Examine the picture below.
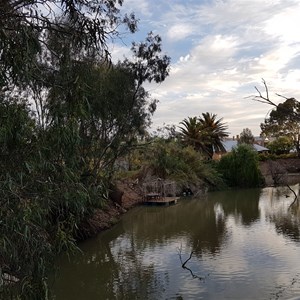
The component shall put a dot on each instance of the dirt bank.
(280, 171)
(274, 172)
(103, 219)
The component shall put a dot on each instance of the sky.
(220, 51)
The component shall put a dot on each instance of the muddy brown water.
(244, 244)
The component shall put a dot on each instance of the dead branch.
(191, 254)
(265, 99)
(296, 197)
(261, 98)
(183, 264)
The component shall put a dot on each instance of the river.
(242, 244)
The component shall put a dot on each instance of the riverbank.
(280, 170)
(103, 219)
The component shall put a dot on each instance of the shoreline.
(104, 219)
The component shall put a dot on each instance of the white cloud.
(184, 58)
(119, 52)
(140, 7)
(220, 50)
(277, 59)
(179, 31)
(284, 25)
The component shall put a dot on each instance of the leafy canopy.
(240, 167)
(25, 25)
(67, 114)
(284, 121)
(246, 137)
(204, 133)
(281, 145)
(284, 118)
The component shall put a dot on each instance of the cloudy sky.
(220, 50)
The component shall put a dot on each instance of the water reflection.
(239, 238)
(241, 204)
(285, 214)
(104, 272)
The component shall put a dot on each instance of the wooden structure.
(162, 201)
(159, 192)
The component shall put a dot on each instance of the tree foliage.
(204, 133)
(215, 132)
(67, 113)
(240, 167)
(283, 122)
(24, 27)
(246, 137)
(191, 133)
(106, 106)
(169, 159)
(284, 118)
(281, 145)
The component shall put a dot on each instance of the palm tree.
(191, 133)
(204, 133)
(215, 132)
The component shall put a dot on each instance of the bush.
(282, 145)
(184, 165)
(271, 156)
(240, 167)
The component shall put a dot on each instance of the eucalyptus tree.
(283, 119)
(88, 113)
(24, 26)
(103, 106)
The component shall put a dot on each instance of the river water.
(242, 244)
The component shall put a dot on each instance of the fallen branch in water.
(296, 197)
(183, 264)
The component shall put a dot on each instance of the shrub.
(282, 145)
(184, 165)
(272, 156)
(240, 167)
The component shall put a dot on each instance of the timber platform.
(158, 200)
(159, 192)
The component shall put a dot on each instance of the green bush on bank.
(183, 164)
(240, 167)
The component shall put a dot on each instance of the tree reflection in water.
(242, 205)
(285, 215)
(105, 270)
(224, 231)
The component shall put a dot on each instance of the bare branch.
(191, 254)
(286, 98)
(266, 88)
(183, 264)
(296, 197)
(264, 99)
